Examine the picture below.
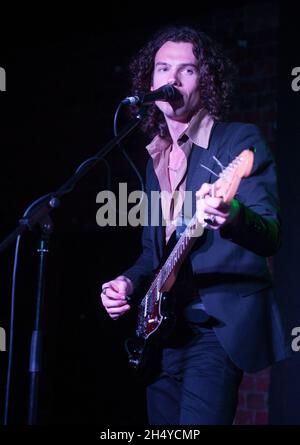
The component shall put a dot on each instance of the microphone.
(165, 93)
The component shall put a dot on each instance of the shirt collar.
(198, 131)
(199, 128)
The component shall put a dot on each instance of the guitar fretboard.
(176, 256)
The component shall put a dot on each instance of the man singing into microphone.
(228, 320)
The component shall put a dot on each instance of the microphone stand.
(38, 213)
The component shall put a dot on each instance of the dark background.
(63, 87)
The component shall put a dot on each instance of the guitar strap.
(194, 310)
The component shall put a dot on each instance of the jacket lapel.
(196, 174)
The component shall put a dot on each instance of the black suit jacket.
(229, 265)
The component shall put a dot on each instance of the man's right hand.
(114, 295)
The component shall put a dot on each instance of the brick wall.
(251, 35)
(253, 399)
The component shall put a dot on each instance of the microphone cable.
(126, 155)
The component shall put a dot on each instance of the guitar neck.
(174, 261)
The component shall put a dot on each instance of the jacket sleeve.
(141, 272)
(257, 226)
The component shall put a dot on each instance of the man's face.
(176, 64)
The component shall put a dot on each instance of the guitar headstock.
(229, 179)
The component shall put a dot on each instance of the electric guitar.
(156, 310)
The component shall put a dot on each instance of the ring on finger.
(210, 219)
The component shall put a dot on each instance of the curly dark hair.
(216, 81)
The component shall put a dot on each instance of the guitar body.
(153, 328)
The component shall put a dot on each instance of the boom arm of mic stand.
(38, 214)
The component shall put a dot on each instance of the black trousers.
(197, 383)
